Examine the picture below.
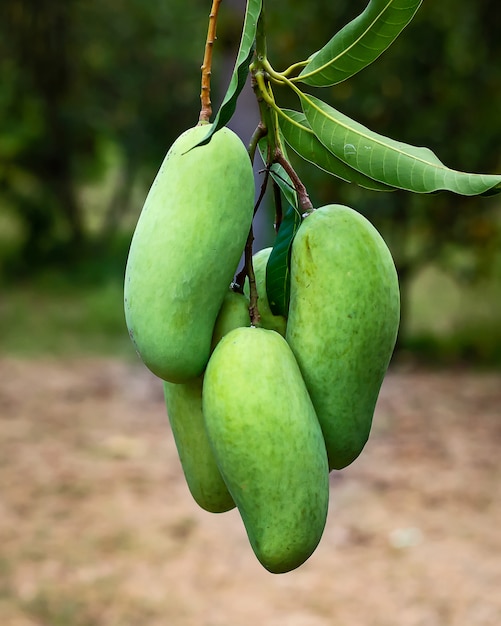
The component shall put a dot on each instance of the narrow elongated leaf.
(359, 43)
(278, 266)
(279, 175)
(388, 161)
(241, 69)
(302, 139)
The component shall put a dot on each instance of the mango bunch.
(260, 414)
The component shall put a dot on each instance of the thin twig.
(255, 318)
(248, 269)
(263, 189)
(277, 196)
(206, 108)
(305, 204)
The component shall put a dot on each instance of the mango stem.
(206, 104)
(305, 204)
(248, 268)
(255, 318)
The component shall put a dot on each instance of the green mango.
(184, 410)
(234, 312)
(185, 249)
(268, 445)
(268, 319)
(343, 322)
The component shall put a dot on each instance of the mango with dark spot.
(343, 322)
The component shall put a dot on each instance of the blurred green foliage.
(81, 81)
(93, 94)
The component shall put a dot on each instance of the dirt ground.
(97, 527)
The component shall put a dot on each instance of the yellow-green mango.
(268, 445)
(234, 312)
(185, 249)
(184, 410)
(268, 319)
(343, 321)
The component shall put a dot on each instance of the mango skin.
(268, 445)
(343, 322)
(185, 249)
(184, 410)
(268, 319)
(234, 312)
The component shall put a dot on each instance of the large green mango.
(343, 321)
(268, 319)
(268, 445)
(185, 250)
(184, 410)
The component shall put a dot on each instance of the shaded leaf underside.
(278, 266)
(304, 142)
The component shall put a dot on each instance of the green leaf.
(359, 43)
(302, 139)
(388, 161)
(278, 174)
(278, 266)
(241, 69)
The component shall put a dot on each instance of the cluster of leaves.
(332, 141)
(324, 136)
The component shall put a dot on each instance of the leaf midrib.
(321, 68)
(376, 140)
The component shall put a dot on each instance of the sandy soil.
(97, 527)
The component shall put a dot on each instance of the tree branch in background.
(206, 108)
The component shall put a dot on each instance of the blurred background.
(93, 94)
(97, 527)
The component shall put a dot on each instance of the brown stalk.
(305, 204)
(249, 269)
(206, 104)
